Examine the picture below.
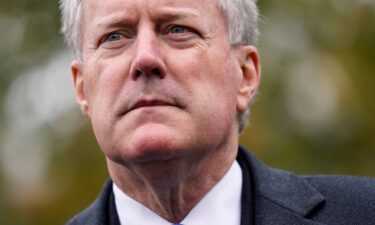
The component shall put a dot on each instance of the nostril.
(138, 73)
(152, 71)
(156, 71)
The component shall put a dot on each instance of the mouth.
(143, 103)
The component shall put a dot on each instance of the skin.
(162, 87)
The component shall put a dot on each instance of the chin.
(153, 142)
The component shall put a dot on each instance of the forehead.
(114, 4)
(99, 9)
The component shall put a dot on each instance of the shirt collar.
(220, 206)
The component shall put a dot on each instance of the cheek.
(105, 79)
(214, 80)
(209, 79)
(104, 85)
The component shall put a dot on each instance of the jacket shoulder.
(348, 199)
(98, 212)
(282, 197)
(86, 217)
(351, 184)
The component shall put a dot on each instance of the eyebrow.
(177, 13)
(164, 14)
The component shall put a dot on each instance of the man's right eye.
(113, 37)
(114, 40)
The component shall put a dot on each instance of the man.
(166, 85)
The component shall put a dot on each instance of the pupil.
(113, 37)
(178, 30)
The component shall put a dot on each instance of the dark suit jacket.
(276, 198)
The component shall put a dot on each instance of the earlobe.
(79, 89)
(249, 82)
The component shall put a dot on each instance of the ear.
(250, 79)
(79, 88)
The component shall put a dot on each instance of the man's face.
(159, 79)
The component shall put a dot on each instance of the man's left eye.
(178, 30)
(180, 36)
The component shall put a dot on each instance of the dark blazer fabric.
(275, 197)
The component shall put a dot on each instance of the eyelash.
(186, 29)
(106, 37)
(178, 27)
(181, 30)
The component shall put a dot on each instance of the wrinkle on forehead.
(162, 14)
(130, 8)
(99, 15)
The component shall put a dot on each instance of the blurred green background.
(314, 112)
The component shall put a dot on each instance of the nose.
(148, 60)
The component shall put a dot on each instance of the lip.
(150, 103)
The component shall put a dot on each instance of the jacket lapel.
(101, 212)
(279, 197)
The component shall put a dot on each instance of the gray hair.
(242, 24)
(242, 17)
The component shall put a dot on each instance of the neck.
(172, 188)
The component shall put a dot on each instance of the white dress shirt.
(220, 206)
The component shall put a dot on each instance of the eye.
(180, 36)
(113, 37)
(178, 30)
(116, 39)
